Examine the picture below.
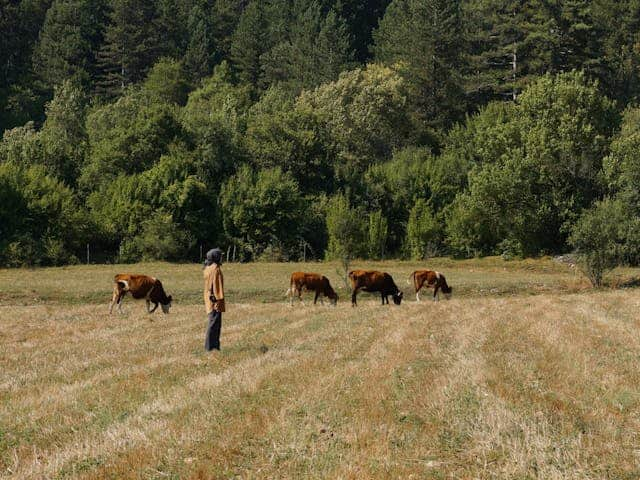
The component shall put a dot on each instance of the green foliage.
(147, 109)
(545, 173)
(22, 146)
(364, 112)
(600, 238)
(215, 118)
(361, 18)
(166, 82)
(262, 209)
(160, 238)
(424, 39)
(424, 232)
(69, 41)
(197, 58)
(250, 41)
(285, 135)
(41, 222)
(378, 230)
(396, 185)
(127, 136)
(347, 229)
(63, 135)
(131, 46)
(622, 166)
(314, 51)
(172, 187)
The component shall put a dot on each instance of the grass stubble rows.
(513, 386)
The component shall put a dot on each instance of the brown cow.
(373, 281)
(140, 286)
(311, 282)
(433, 280)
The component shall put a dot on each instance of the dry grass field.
(526, 373)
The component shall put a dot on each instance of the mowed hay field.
(525, 373)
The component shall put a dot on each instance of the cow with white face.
(140, 286)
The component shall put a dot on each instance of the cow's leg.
(418, 293)
(120, 299)
(382, 297)
(315, 298)
(353, 298)
(155, 305)
(290, 296)
(300, 295)
(435, 293)
(291, 292)
(114, 298)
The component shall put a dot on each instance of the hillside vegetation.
(324, 129)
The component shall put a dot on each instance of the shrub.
(599, 237)
(424, 232)
(347, 231)
(159, 239)
(378, 229)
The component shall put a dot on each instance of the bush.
(347, 231)
(599, 237)
(40, 221)
(262, 208)
(378, 229)
(159, 239)
(424, 232)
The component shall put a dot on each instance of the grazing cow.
(373, 281)
(311, 282)
(431, 279)
(140, 286)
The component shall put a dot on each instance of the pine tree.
(225, 16)
(69, 41)
(514, 42)
(171, 22)
(424, 39)
(314, 51)
(333, 48)
(361, 18)
(499, 51)
(131, 45)
(250, 40)
(620, 21)
(197, 59)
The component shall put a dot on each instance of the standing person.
(213, 298)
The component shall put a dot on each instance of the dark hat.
(213, 256)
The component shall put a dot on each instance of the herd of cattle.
(151, 289)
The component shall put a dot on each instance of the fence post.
(228, 253)
(200, 253)
(234, 253)
(88, 254)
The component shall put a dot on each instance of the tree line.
(403, 128)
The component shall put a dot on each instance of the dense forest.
(341, 129)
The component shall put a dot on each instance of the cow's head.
(330, 293)
(333, 298)
(397, 298)
(166, 306)
(447, 291)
